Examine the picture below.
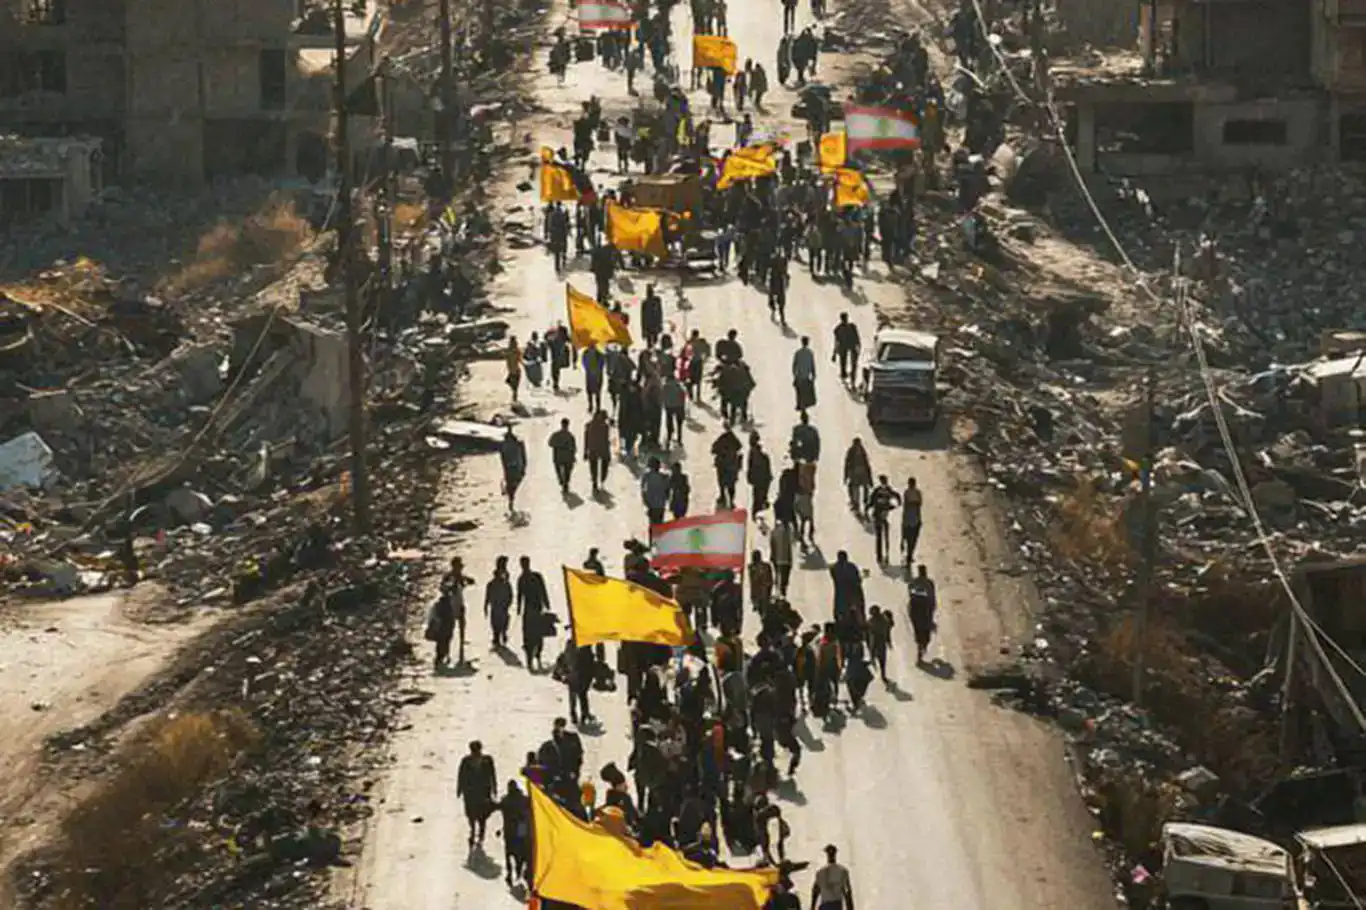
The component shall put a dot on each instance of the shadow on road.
(458, 671)
(938, 668)
(927, 439)
(508, 656)
(483, 865)
(872, 718)
(789, 792)
(808, 738)
(899, 693)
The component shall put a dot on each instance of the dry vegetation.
(1089, 530)
(274, 234)
(112, 852)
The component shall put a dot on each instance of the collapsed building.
(1218, 86)
(179, 93)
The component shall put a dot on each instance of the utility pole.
(1148, 546)
(389, 195)
(346, 232)
(446, 116)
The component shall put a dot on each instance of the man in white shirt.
(832, 889)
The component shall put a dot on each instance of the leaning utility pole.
(1148, 539)
(446, 116)
(346, 231)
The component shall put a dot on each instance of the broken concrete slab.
(26, 461)
(199, 373)
(482, 436)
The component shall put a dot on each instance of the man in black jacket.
(476, 783)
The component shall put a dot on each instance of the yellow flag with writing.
(833, 151)
(714, 50)
(636, 230)
(591, 323)
(610, 609)
(851, 189)
(747, 163)
(556, 183)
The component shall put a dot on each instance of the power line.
(1317, 635)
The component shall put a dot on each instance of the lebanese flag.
(598, 14)
(701, 542)
(881, 128)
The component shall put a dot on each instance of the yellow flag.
(850, 188)
(556, 184)
(609, 609)
(747, 163)
(585, 865)
(833, 151)
(636, 230)
(591, 323)
(714, 50)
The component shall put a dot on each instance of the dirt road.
(62, 665)
(936, 798)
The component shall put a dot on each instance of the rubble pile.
(225, 453)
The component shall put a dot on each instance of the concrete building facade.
(1230, 84)
(179, 92)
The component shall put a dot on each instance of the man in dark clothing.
(882, 499)
(847, 346)
(516, 809)
(651, 316)
(728, 349)
(477, 784)
(563, 449)
(593, 563)
(567, 749)
(604, 265)
(848, 585)
(532, 604)
(725, 453)
(924, 603)
(759, 473)
(880, 625)
(498, 602)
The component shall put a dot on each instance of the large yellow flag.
(833, 151)
(851, 189)
(609, 609)
(636, 230)
(747, 163)
(556, 183)
(591, 323)
(587, 866)
(714, 50)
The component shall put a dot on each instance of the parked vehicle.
(899, 379)
(1208, 868)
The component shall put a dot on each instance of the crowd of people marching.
(714, 726)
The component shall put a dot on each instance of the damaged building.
(1227, 85)
(179, 93)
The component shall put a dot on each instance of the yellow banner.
(588, 866)
(714, 50)
(748, 163)
(833, 151)
(851, 189)
(636, 230)
(591, 323)
(556, 184)
(609, 609)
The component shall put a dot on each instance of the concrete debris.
(26, 461)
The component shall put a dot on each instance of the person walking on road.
(651, 316)
(911, 502)
(594, 564)
(533, 606)
(881, 501)
(516, 809)
(512, 359)
(453, 585)
(880, 624)
(780, 551)
(848, 583)
(512, 456)
(761, 579)
(804, 502)
(563, 452)
(440, 630)
(806, 440)
(498, 597)
(726, 457)
(679, 491)
(924, 603)
(804, 375)
(674, 397)
(654, 492)
(832, 889)
(858, 475)
(759, 473)
(594, 366)
(476, 783)
(847, 345)
(597, 448)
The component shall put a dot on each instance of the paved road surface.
(936, 798)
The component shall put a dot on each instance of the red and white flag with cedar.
(700, 542)
(595, 15)
(881, 128)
